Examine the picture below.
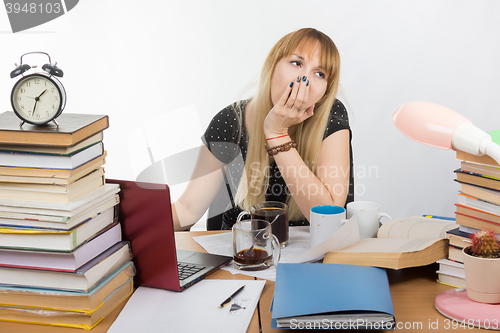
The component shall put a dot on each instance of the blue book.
(331, 296)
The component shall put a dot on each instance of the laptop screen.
(146, 219)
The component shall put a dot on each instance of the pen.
(439, 217)
(230, 298)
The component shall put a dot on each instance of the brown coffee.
(253, 257)
(280, 226)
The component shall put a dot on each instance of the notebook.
(331, 296)
(146, 218)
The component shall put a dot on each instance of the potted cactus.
(482, 267)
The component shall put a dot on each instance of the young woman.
(288, 143)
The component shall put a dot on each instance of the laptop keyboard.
(187, 270)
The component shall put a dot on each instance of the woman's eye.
(321, 75)
(295, 62)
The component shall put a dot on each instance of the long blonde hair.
(254, 182)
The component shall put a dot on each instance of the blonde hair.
(254, 182)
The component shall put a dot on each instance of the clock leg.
(21, 124)
(55, 122)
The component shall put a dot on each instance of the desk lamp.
(440, 127)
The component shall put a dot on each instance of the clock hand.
(36, 101)
(34, 107)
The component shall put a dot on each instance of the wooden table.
(413, 292)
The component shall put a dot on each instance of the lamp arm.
(475, 141)
(493, 150)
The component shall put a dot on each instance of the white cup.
(324, 222)
(368, 215)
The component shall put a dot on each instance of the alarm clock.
(38, 98)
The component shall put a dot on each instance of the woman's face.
(300, 64)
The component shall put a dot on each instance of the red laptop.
(146, 219)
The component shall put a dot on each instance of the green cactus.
(485, 244)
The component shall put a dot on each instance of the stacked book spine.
(477, 207)
(62, 258)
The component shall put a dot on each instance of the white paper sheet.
(193, 310)
(347, 235)
(297, 249)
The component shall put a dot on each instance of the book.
(477, 223)
(73, 128)
(451, 267)
(458, 238)
(477, 213)
(65, 318)
(483, 159)
(477, 179)
(47, 180)
(400, 243)
(44, 161)
(14, 180)
(82, 280)
(55, 240)
(331, 296)
(65, 209)
(45, 193)
(52, 195)
(67, 300)
(51, 150)
(96, 173)
(53, 173)
(62, 261)
(451, 280)
(482, 169)
(472, 202)
(455, 253)
(56, 222)
(482, 193)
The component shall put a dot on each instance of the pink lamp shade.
(440, 127)
(428, 123)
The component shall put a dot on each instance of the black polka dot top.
(229, 144)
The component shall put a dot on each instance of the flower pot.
(482, 276)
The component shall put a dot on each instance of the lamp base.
(455, 305)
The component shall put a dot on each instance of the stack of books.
(62, 258)
(477, 207)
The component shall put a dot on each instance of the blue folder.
(328, 295)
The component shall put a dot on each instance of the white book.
(49, 240)
(14, 219)
(451, 280)
(476, 203)
(449, 267)
(69, 162)
(63, 261)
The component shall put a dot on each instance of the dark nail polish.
(298, 78)
(307, 84)
(304, 79)
(291, 84)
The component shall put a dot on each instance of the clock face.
(37, 98)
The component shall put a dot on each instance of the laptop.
(147, 223)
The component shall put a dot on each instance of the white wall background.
(137, 61)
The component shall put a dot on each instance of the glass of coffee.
(254, 245)
(274, 212)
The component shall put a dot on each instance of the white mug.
(368, 215)
(324, 222)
